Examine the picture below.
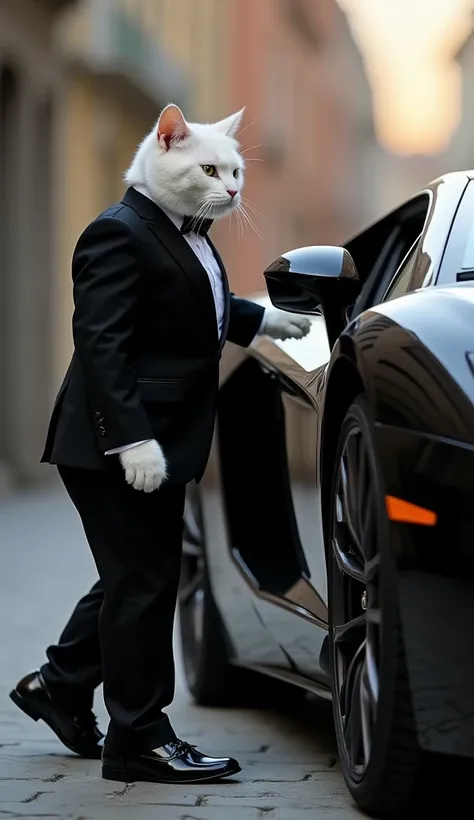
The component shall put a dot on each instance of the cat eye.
(210, 170)
(236, 173)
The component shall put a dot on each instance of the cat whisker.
(208, 211)
(250, 209)
(251, 206)
(198, 213)
(201, 214)
(255, 159)
(246, 220)
(249, 221)
(242, 224)
(253, 211)
(203, 217)
(244, 129)
(251, 147)
(242, 214)
(239, 224)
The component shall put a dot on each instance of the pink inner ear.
(172, 125)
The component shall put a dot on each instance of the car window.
(407, 225)
(458, 259)
(404, 280)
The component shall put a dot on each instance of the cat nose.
(231, 193)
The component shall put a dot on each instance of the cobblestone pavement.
(290, 770)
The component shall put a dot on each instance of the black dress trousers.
(121, 633)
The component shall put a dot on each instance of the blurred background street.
(351, 106)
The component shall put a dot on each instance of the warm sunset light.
(409, 48)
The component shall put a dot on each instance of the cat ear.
(172, 127)
(231, 125)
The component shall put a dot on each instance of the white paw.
(145, 466)
(282, 325)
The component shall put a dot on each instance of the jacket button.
(98, 414)
(102, 430)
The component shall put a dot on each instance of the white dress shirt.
(204, 253)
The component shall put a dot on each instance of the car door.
(392, 256)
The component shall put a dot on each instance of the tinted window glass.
(458, 259)
(404, 279)
(468, 257)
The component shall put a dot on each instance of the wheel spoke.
(353, 455)
(366, 713)
(188, 591)
(353, 722)
(190, 549)
(372, 675)
(367, 524)
(349, 514)
(362, 492)
(348, 564)
(351, 674)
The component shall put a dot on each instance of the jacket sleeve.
(245, 321)
(107, 281)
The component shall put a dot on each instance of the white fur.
(173, 171)
(145, 466)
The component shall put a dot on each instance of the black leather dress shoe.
(177, 762)
(78, 732)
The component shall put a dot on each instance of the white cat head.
(192, 169)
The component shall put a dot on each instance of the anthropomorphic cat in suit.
(132, 425)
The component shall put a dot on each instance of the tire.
(373, 716)
(211, 677)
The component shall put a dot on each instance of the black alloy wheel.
(373, 716)
(356, 626)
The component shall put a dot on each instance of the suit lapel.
(168, 235)
(225, 285)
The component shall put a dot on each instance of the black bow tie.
(192, 224)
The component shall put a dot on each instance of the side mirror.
(315, 279)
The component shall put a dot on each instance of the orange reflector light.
(399, 510)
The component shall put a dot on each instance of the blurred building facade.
(460, 152)
(30, 102)
(308, 120)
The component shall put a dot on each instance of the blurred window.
(405, 278)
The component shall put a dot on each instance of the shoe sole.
(25, 706)
(36, 715)
(131, 776)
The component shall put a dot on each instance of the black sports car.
(330, 543)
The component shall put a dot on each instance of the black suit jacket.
(146, 357)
